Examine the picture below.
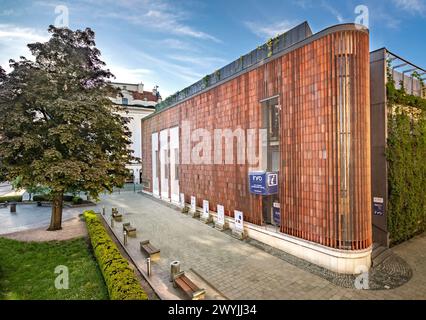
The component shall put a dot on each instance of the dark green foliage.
(48, 197)
(42, 197)
(58, 128)
(11, 199)
(27, 271)
(406, 155)
(77, 200)
(121, 281)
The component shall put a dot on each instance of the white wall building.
(138, 104)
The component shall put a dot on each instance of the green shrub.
(41, 197)
(11, 199)
(47, 197)
(68, 198)
(120, 279)
(77, 200)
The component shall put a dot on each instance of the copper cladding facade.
(323, 88)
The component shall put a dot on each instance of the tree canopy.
(58, 128)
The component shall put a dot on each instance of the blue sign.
(272, 185)
(263, 183)
(276, 213)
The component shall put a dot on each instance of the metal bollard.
(112, 222)
(103, 210)
(148, 266)
(125, 237)
(174, 269)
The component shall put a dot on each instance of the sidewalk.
(236, 269)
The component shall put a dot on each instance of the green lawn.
(27, 270)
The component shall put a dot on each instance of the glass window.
(274, 123)
(125, 101)
(271, 122)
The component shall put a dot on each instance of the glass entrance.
(271, 122)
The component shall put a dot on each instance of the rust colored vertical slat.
(307, 82)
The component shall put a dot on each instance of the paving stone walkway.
(71, 229)
(237, 269)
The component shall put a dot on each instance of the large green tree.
(58, 128)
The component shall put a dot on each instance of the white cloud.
(388, 20)
(14, 40)
(183, 72)
(159, 16)
(205, 62)
(174, 44)
(333, 11)
(264, 31)
(310, 4)
(412, 6)
(6, 12)
(168, 75)
(129, 75)
(305, 4)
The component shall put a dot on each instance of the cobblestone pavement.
(30, 216)
(71, 229)
(237, 269)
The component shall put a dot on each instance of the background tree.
(58, 128)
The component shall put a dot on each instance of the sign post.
(220, 222)
(182, 200)
(193, 212)
(205, 217)
(238, 231)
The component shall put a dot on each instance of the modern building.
(137, 104)
(409, 76)
(297, 107)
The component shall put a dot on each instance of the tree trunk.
(56, 218)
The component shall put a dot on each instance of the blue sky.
(175, 43)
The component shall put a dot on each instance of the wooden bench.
(153, 252)
(117, 216)
(189, 287)
(131, 231)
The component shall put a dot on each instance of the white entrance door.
(164, 164)
(155, 182)
(174, 164)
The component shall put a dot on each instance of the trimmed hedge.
(120, 279)
(67, 198)
(77, 200)
(41, 197)
(11, 199)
